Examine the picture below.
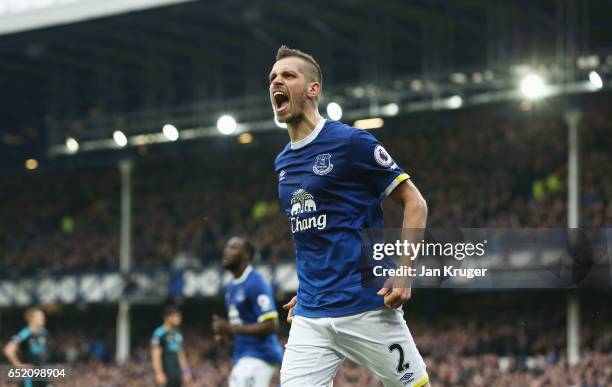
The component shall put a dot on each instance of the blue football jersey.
(249, 300)
(331, 186)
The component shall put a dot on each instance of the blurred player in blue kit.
(332, 179)
(252, 319)
(28, 348)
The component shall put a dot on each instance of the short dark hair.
(315, 75)
(170, 309)
(249, 248)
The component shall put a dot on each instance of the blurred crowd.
(498, 167)
(593, 370)
(59, 222)
(511, 348)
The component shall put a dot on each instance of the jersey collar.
(243, 276)
(310, 138)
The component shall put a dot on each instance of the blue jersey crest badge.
(323, 164)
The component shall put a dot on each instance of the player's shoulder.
(255, 278)
(24, 333)
(227, 286)
(43, 332)
(336, 131)
(281, 156)
(255, 275)
(159, 331)
(339, 128)
(350, 136)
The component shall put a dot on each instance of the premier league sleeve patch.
(382, 157)
(379, 174)
(264, 302)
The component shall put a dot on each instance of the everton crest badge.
(323, 164)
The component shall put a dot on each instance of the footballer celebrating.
(332, 179)
(167, 354)
(253, 319)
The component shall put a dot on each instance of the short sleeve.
(156, 338)
(372, 162)
(22, 335)
(263, 301)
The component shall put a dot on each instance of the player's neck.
(34, 328)
(168, 326)
(301, 128)
(240, 270)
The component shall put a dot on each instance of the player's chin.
(284, 114)
(283, 117)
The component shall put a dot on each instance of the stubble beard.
(297, 115)
(232, 266)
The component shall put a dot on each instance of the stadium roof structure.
(188, 63)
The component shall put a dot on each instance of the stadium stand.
(474, 97)
(474, 172)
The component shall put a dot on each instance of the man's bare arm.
(415, 218)
(415, 207)
(10, 351)
(184, 366)
(264, 328)
(156, 361)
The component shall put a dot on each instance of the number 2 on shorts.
(401, 367)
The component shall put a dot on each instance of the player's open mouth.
(281, 101)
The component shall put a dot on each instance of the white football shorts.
(251, 372)
(378, 340)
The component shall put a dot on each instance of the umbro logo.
(407, 378)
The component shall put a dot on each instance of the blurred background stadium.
(137, 136)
